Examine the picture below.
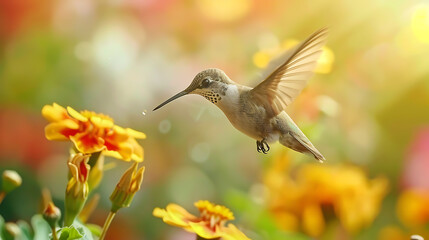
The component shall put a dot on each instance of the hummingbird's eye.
(205, 83)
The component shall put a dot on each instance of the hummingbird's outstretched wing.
(283, 85)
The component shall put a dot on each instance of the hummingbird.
(259, 112)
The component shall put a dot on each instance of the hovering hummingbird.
(259, 112)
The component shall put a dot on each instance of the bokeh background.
(366, 109)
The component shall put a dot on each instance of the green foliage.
(26, 231)
(71, 233)
(40, 227)
(40, 230)
(95, 229)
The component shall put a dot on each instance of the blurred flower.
(420, 23)
(128, 185)
(412, 207)
(416, 164)
(224, 10)
(92, 132)
(77, 187)
(262, 58)
(209, 225)
(320, 190)
(11, 180)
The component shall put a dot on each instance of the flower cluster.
(94, 135)
(92, 132)
(210, 224)
(321, 190)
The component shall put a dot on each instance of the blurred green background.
(368, 106)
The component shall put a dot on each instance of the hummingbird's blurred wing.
(285, 83)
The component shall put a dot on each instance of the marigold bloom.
(92, 132)
(302, 202)
(210, 224)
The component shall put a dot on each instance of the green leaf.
(27, 233)
(84, 230)
(41, 227)
(95, 229)
(75, 231)
(1, 227)
(71, 233)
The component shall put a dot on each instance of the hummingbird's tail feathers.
(301, 144)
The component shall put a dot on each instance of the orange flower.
(92, 132)
(317, 191)
(209, 225)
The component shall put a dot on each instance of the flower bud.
(126, 188)
(52, 215)
(77, 187)
(11, 180)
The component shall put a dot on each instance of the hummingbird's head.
(210, 83)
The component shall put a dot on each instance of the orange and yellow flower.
(92, 132)
(303, 202)
(209, 225)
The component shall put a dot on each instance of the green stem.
(54, 234)
(107, 223)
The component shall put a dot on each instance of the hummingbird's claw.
(258, 146)
(262, 146)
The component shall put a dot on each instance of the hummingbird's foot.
(262, 146)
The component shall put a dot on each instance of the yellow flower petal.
(232, 233)
(135, 134)
(55, 130)
(101, 122)
(179, 215)
(158, 212)
(54, 113)
(203, 231)
(137, 150)
(73, 113)
(313, 222)
(114, 154)
(126, 151)
(175, 215)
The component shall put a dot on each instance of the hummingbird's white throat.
(231, 94)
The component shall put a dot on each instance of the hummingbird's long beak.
(180, 94)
